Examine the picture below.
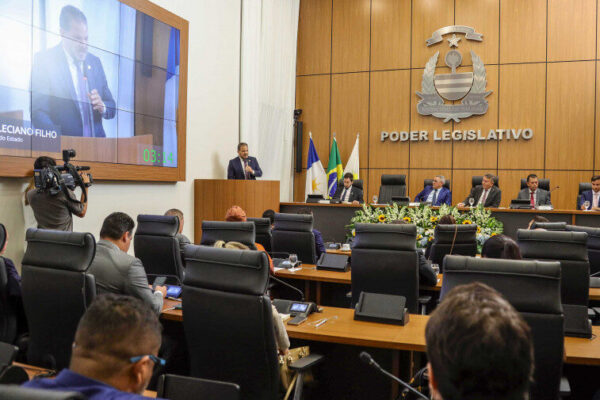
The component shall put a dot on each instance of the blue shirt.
(70, 381)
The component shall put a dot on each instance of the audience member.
(118, 272)
(114, 352)
(478, 347)
(281, 336)
(183, 240)
(237, 214)
(501, 246)
(537, 218)
(427, 276)
(271, 215)
(319, 244)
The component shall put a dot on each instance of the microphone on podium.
(553, 189)
(367, 359)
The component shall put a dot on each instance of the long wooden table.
(343, 329)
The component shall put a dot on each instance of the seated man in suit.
(243, 166)
(348, 193)
(114, 352)
(591, 196)
(118, 272)
(535, 195)
(436, 193)
(478, 346)
(183, 240)
(486, 193)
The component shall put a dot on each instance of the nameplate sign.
(470, 135)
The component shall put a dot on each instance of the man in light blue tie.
(436, 194)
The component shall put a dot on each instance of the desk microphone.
(557, 187)
(367, 359)
(289, 286)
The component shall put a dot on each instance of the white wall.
(212, 128)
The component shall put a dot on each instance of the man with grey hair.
(436, 193)
(487, 194)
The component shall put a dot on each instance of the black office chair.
(56, 292)
(242, 232)
(14, 392)
(476, 180)
(583, 187)
(391, 185)
(8, 311)
(542, 184)
(593, 245)
(550, 226)
(262, 228)
(176, 387)
(533, 288)
(10, 374)
(453, 239)
(358, 183)
(156, 245)
(384, 260)
(293, 234)
(228, 322)
(429, 182)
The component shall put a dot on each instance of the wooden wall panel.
(350, 113)
(312, 96)
(351, 35)
(375, 179)
(431, 15)
(364, 175)
(314, 37)
(480, 154)
(570, 116)
(300, 185)
(390, 34)
(416, 177)
(522, 90)
(510, 183)
(566, 196)
(389, 111)
(571, 30)
(483, 15)
(597, 132)
(461, 182)
(522, 31)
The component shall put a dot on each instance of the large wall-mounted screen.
(98, 76)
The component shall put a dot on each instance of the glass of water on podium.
(375, 198)
(586, 205)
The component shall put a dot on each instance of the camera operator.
(54, 211)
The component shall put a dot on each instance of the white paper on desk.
(285, 317)
(324, 202)
(288, 269)
(414, 204)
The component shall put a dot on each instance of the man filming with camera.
(53, 200)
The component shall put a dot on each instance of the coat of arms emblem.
(468, 86)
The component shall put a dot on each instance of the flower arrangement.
(426, 218)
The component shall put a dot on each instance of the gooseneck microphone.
(289, 286)
(367, 359)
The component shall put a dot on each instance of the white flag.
(352, 164)
(316, 178)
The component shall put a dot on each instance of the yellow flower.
(353, 232)
(430, 238)
(407, 219)
(419, 237)
(493, 234)
(478, 230)
(467, 222)
(381, 218)
(433, 218)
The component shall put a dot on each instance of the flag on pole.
(316, 178)
(334, 168)
(352, 164)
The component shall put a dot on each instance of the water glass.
(375, 198)
(586, 204)
(293, 258)
(471, 201)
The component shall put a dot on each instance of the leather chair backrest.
(476, 180)
(570, 248)
(2, 236)
(464, 238)
(56, 292)
(391, 185)
(542, 183)
(550, 226)
(358, 183)
(262, 227)
(243, 232)
(157, 246)
(516, 280)
(177, 387)
(293, 234)
(593, 245)
(14, 392)
(429, 182)
(227, 319)
(8, 313)
(584, 186)
(384, 260)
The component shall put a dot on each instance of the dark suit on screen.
(444, 196)
(492, 200)
(54, 103)
(235, 170)
(355, 193)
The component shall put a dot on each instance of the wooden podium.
(213, 197)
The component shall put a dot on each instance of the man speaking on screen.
(69, 89)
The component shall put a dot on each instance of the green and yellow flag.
(334, 168)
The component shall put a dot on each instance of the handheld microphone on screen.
(295, 289)
(367, 359)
